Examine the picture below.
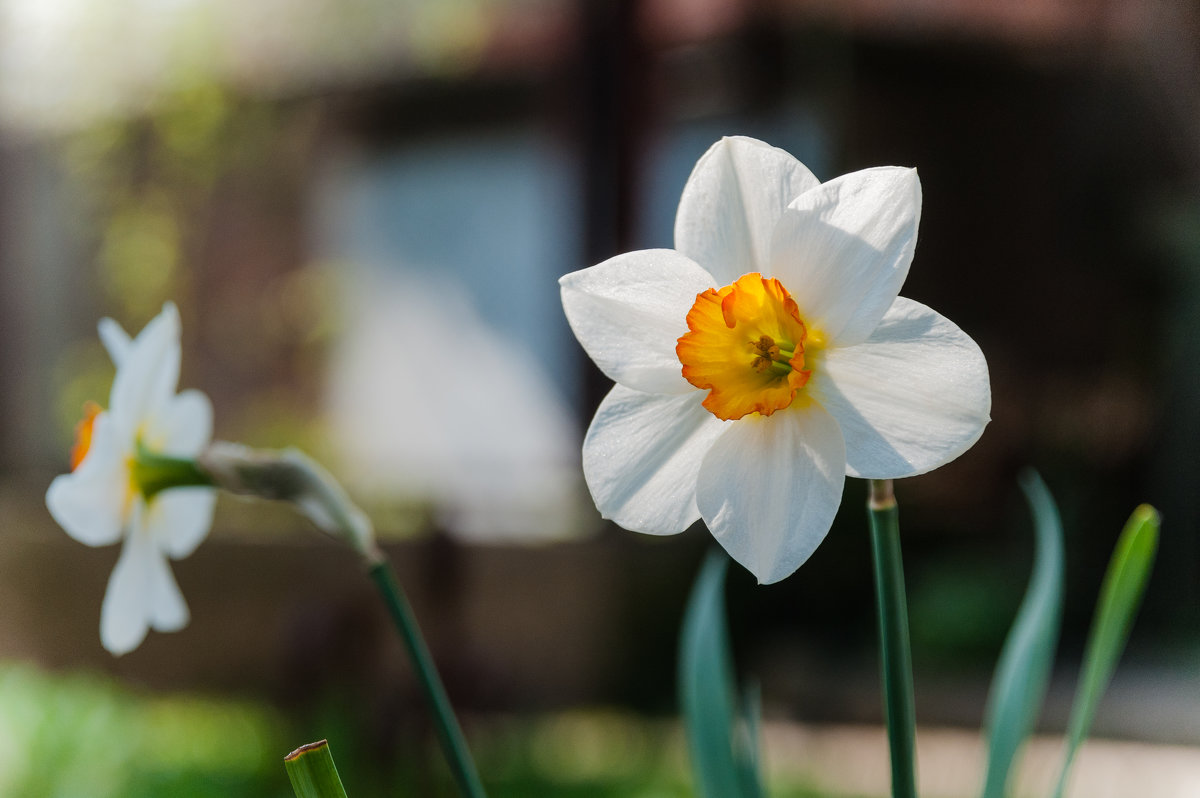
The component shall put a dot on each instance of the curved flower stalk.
(768, 356)
(124, 459)
(293, 477)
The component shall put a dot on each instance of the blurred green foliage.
(960, 610)
(77, 735)
(148, 181)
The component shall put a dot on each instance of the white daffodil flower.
(768, 356)
(127, 464)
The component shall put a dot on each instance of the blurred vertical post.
(609, 117)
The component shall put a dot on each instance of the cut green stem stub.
(899, 711)
(312, 772)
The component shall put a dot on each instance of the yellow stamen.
(745, 345)
(83, 433)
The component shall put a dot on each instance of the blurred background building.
(362, 207)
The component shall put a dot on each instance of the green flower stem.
(448, 731)
(898, 705)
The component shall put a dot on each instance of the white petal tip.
(114, 338)
(773, 573)
(120, 646)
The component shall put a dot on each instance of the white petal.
(148, 373)
(843, 249)
(168, 610)
(142, 593)
(641, 456)
(736, 194)
(116, 341)
(183, 428)
(123, 623)
(770, 486)
(912, 397)
(178, 519)
(629, 312)
(90, 502)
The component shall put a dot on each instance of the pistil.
(771, 356)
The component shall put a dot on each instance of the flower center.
(83, 433)
(745, 345)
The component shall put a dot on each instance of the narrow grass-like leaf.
(1023, 670)
(1120, 597)
(312, 772)
(722, 764)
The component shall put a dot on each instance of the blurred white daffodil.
(768, 356)
(128, 466)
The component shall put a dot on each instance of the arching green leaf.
(724, 757)
(1120, 597)
(1023, 670)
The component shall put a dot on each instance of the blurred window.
(454, 376)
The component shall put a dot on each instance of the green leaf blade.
(1120, 597)
(1023, 669)
(725, 766)
(312, 772)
